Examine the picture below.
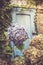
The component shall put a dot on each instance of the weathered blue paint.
(27, 21)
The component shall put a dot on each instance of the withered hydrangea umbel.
(34, 54)
(37, 42)
(18, 61)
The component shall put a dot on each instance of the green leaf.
(20, 47)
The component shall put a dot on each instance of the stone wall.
(40, 18)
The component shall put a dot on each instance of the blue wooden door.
(25, 19)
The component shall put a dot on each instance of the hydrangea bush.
(17, 34)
